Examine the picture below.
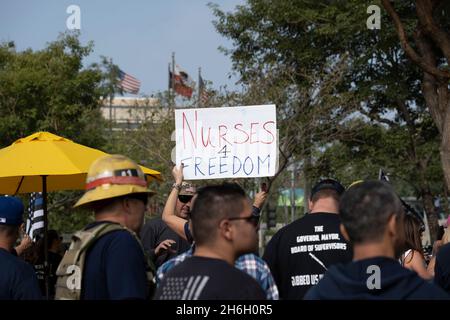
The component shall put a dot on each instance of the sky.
(139, 35)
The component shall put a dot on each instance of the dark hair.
(325, 193)
(36, 252)
(52, 235)
(365, 210)
(326, 188)
(440, 233)
(412, 234)
(213, 204)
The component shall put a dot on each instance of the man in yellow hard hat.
(106, 259)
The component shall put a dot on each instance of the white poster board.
(230, 142)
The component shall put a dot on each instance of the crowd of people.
(355, 243)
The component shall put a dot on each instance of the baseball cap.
(327, 184)
(187, 189)
(11, 210)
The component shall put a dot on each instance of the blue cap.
(11, 211)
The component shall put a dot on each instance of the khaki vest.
(70, 270)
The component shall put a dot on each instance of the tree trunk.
(445, 204)
(445, 146)
(432, 42)
(437, 100)
(428, 205)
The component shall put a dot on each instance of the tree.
(282, 56)
(309, 39)
(49, 90)
(428, 47)
(52, 90)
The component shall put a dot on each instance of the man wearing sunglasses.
(249, 263)
(160, 241)
(224, 228)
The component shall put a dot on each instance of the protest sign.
(230, 142)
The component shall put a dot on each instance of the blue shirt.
(18, 280)
(115, 268)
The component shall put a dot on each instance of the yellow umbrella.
(64, 162)
(45, 162)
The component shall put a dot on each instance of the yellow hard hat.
(113, 176)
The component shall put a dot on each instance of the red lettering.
(208, 141)
(236, 127)
(222, 136)
(185, 121)
(269, 132)
(253, 132)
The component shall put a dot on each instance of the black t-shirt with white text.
(299, 254)
(201, 278)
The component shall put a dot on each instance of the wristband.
(177, 186)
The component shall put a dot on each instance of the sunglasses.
(184, 198)
(251, 219)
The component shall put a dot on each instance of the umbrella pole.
(44, 208)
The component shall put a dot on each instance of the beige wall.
(128, 113)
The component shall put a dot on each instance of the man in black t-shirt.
(161, 242)
(299, 254)
(223, 228)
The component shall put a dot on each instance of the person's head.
(413, 233)
(223, 213)
(371, 212)
(184, 201)
(116, 189)
(325, 196)
(54, 240)
(11, 211)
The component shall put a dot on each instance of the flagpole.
(111, 93)
(44, 209)
(199, 93)
(173, 82)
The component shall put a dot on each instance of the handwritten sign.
(227, 142)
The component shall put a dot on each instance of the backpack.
(70, 271)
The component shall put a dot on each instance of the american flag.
(35, 220)
(129, 83)
(204, 95)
